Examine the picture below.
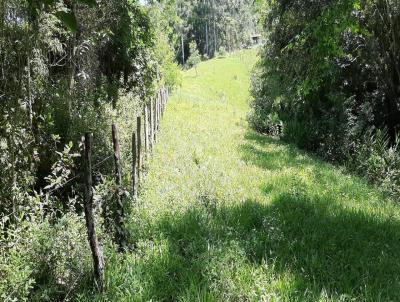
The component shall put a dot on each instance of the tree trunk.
(207, 46)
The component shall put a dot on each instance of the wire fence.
(143, 139)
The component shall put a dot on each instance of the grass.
(227, 214)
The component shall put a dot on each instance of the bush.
(44, 261)
(328, 74)
(194, 58)
(222, 53)
(379, 160)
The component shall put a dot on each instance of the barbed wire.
(49, 193)
(102, 162)
(97, 165)
(77, 176)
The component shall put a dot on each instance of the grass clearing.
(229, 215)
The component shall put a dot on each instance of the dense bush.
(66, 67)
(43, 260)
(329, 81)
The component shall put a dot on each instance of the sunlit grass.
(229, 215)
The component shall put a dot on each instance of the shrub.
(44, 261)
(379, 160)
(194, 58)
(222, 53)
(328, 73)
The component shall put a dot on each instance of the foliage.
(222, 52)
(66, 68)
(162, 17)
(328, 75)
(211, 24)
(194, 58)
(45, 260)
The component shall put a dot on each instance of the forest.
(199, 150)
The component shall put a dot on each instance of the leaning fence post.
(139, 147)
(97, 253)
(118, 181)
(134, 164)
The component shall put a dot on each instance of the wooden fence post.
(139, 147)
(151, 121)
(146, 130)
(119, 219)
(162, 102)
(97, 253)
(165, 98)
(155, 119)
(158, 111)
(134, 164)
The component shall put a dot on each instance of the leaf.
(48, 2)
(68, 19)
(90, 3)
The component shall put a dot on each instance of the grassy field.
(229, 215)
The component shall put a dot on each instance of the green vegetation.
(224, 212)
(328, 81)
(194, 58)
(67, 68)
(212, 24)
(227, 214)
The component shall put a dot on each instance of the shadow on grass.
(274, 155)
(304, 245)
(324, 248)
(320, 247)
(271, 154)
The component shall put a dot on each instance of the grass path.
(229, 215)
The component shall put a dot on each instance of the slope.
(230, 215)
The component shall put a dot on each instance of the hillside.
(229, 215)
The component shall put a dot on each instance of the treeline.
(67, 67)
(329, 81)
(212, 24)
(216, 24)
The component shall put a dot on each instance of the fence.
(144, 138)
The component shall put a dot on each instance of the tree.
(212, 24)
(66, 67)
(194, 58)
(330, 74)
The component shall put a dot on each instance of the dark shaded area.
(256, 151)
(290, 157)
(324, 247)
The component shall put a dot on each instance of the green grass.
(230, 215)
